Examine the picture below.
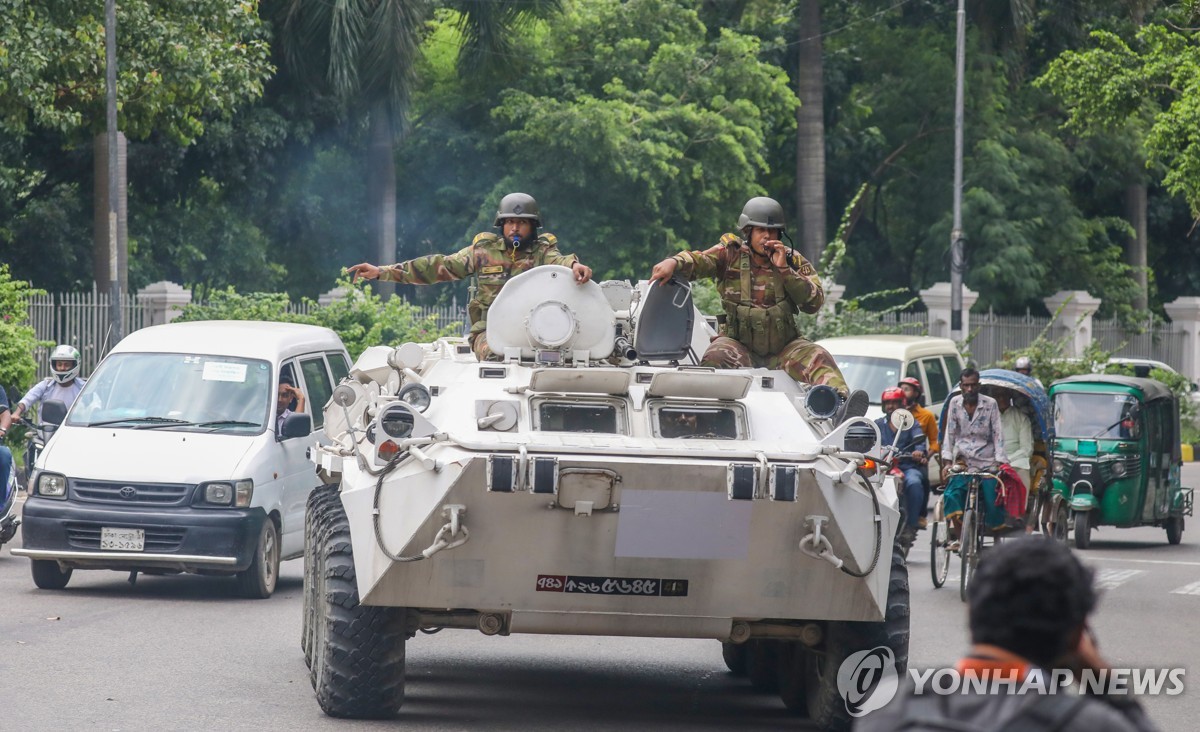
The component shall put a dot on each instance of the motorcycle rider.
(6, 458)
(63, 385)
(490, 260)
(914, 401)
(1024, 365)
(912, 446)
(762, 288)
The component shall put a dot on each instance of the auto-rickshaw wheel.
(1174, 527)
(1083, 529)
(1061, 528)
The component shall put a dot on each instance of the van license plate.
(122, 540)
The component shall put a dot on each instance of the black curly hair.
(1029, 596)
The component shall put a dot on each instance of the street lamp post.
(114, 275)
(957, 263)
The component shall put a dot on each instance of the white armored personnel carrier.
(596, 482)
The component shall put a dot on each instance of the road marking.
(1144, 561)
(1192, 589)
(1110, 579)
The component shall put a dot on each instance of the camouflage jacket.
(487, 261)
(730, 261)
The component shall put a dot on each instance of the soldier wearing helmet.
(490, 261)
(63, 385)
(911, 447)
(763, 286)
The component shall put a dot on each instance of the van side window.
(319, 387)
(914, 371)
(953, 369)
(935, 379)
(337, 365)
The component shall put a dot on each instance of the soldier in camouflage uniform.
(490, 260)
(762, 288)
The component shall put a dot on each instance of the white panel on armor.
(544, 308)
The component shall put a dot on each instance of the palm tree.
(810, 131)
(363, 53)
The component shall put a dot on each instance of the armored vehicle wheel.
(939, 553)
(318, 502)
(47, 575)
(1083, 529)
(358, 651)
(762, 664)
(1174, 529)
(809, 682)
(734, 655)
(257, 581)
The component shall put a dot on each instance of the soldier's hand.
(364, 270)
(583, 273)
(663, 270)
(778, 253)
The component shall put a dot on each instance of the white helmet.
(65, 353)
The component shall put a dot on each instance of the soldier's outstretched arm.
(365, 270)
(430, 269)
(693, 265)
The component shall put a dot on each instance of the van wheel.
(1174, 529)
(48, 576)
(1083, 529)
(257, 581)
(358, 651)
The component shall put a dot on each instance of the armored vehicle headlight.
(822, 401)
(52, 485)
(397, 422)
(860, 438)
(387, 450)
(416, 396)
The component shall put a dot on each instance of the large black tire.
(318, 503)
(1083, 529)
(816, 671)
(762, 664)
(47, 575)
(1174, 527)
(358, 651)
(257, 581)
(734, 655)
(968, 554)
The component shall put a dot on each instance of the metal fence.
(1155, 340)
(992, 335)
(80, 319)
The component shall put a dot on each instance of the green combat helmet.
(761, 211)
(519, 206)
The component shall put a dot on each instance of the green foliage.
(361, 319)
(17, 339)
(1178, 383)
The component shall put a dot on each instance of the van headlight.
(52, 485)
(225, 493)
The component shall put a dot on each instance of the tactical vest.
(765, 331)
(493, 263)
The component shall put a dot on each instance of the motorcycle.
(36, 438)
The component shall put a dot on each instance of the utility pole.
(114, 274)
(957, 263)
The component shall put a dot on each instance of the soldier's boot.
(854, 405)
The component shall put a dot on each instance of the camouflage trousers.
(803, 360)
(478, 341)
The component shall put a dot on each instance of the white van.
(174, 457)
(875, 362)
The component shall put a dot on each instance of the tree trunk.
(1135, 251)
(381, 190)
(810, 133)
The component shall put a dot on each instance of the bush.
(361, 319)
(17, 343)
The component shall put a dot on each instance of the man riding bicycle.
(975, 436)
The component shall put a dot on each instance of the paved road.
(184, 653)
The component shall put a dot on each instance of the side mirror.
(296, 425)
(53, 412)
(901, 420)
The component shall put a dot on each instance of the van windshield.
(869, 373)
(1091, 416)
(176, 391)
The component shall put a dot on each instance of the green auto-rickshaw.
(1116, 456)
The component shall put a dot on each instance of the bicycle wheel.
(969, 551)
(939, 555)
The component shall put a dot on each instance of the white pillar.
(937, 302)
(334, 295)
(833, 294)
(165, 299)
(1185, 318)
(1075, 316)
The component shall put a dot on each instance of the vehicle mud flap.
(808, 677)
(357, 651)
